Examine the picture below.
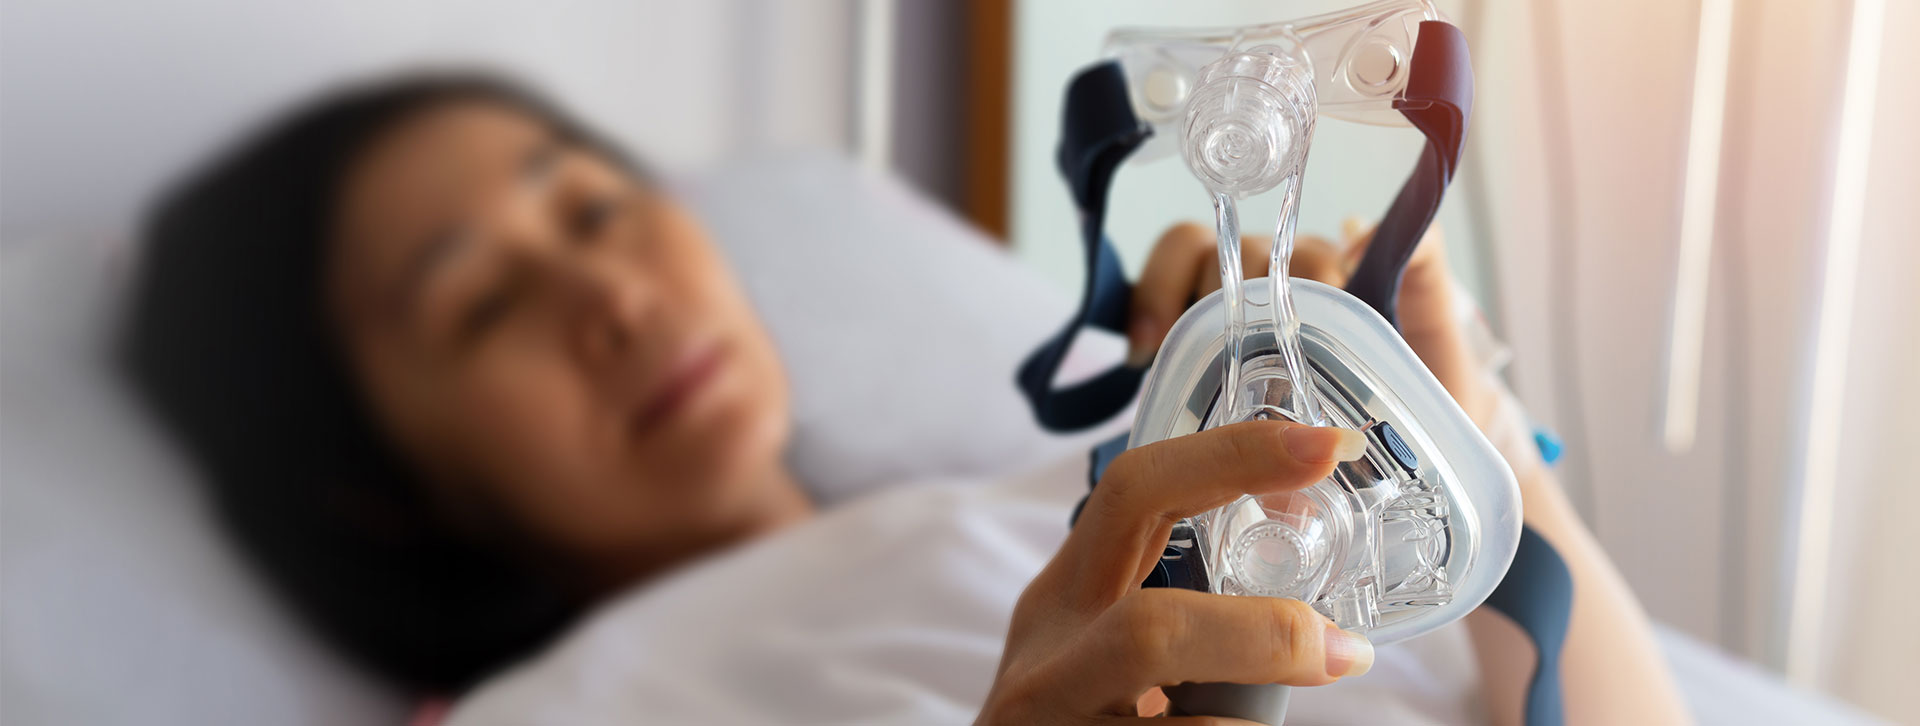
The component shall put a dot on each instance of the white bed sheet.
(892, 609)
(889, 610)
(1722, 690)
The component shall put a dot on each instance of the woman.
(458, 372)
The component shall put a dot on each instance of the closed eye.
(591, 218)
(487, 311)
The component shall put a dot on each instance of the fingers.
(1166, 286)
(1125, 524)
(1164, 636)
(1317, 259)
(1183, 267)
(1255, 255)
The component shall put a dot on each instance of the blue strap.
(1537, 595)
(1099, 132)
(1438, 101)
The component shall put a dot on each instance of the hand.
(1086, 642)
(1184, 267)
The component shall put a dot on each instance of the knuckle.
(1038, 594)
(1296, 629)
(1198, 244)
(1119, 487)
(1052, 600)
(1261, 442)
(1136, 486)
(1036, 604)
(1110, 505)
(1264, 443)
(1013, 701)
(1149, 628)
(1184, 235)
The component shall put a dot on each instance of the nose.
(606, 312)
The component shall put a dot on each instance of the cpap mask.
(1420, 530)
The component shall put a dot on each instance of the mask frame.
(1367, 64)
(1424, 453)
(1101, 130)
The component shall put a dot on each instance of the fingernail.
(1144, 336)
(1348, 654)
(1324, 443)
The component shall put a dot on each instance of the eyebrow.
(539, 161)
(445, 242)
(431, 256)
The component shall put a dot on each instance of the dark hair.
(227, 340)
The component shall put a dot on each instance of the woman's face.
(553, 340)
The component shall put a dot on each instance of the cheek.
(531, 416)
(530, 429)
(707, 459)
(702, 274)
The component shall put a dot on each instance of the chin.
(723, 454)
(750, 423)
(753, 443)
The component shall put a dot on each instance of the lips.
(690, 375)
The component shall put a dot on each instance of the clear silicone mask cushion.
(1421, 529)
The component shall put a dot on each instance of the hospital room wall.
(1583, 134)
(1565, 222)
(1749, 537)
(106, 99)
(1868, 635)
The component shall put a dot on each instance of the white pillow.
(123, 605)
(900, 326)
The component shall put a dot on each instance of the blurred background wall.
(1694, 221)
(105, 99)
